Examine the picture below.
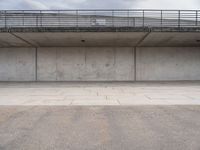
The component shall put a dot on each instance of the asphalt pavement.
(100, 127)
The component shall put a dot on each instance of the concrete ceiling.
(90, 39)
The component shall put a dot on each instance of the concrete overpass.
(100, 45)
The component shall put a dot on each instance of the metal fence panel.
(99, 18)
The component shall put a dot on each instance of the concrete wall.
(156, 63)
(17, 64)
(99, 64)
(86, 64)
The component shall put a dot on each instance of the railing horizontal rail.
(99, 18)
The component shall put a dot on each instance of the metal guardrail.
(99, 18)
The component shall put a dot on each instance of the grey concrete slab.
(180, 63)
(171, 39)
(159, 39)
(80, 39)
(98, 93)
(17, 64)
(86, 64)
(9, 40)
(108, 128)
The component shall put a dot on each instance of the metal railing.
(99, 18)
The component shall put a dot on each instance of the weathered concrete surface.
(74, 39)
(9, 40)
(171, 39)
(168, 63)
(109, 128)
(99, 93)
(99, 64)
(100, 39)
(17, 64)
(86, 64)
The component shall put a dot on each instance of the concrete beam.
(83, 39)
(8, 40)
(100, 39)
(171, 39)
(28, 43)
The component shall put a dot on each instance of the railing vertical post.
(134, 18)
(143, 18)
(40, 18)
(23, 18)
(128, 17)
(77, 18)
(95, 17)
(196, 18)
(161, 19)
(179, 19)
(59, 24)
(5, 19)
(37, 19)
(112, 18)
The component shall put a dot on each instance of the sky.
(99, 4)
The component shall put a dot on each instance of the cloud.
(99, 4)
(106, 4)
(22, 4)
(32, 4)
(169, 4)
